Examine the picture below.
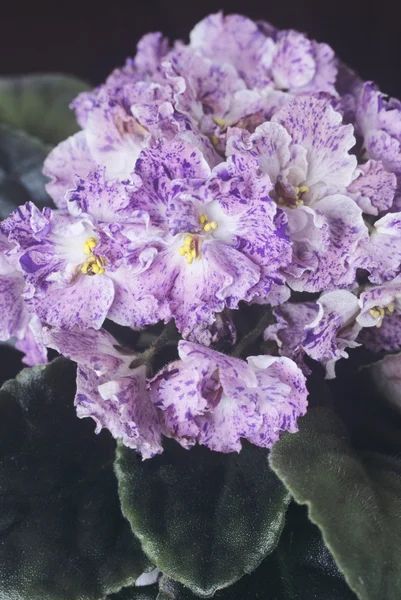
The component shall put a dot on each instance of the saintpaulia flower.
(132, 111)
(213, 96)
(334, 329)
(15, 320)
(223, 237)
(322, 329)
(374, 188)
(215, 400)
(379, 123)
(385, 248)
(72, 265)
(305, 152)
(381, 316)
(284, 60)
(110, 389)
(289, 330)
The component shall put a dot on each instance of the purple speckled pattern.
(214, 400)
(242, 168)
(109, 391)
(334, 329)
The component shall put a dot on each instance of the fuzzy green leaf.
(21, 178)
(39, 105)
(353, 495)
(204, 518)
(62, 533)
(301, 568)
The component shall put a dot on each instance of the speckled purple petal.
(317, 127)
(214, 400)
(374, 188)
(385, 248)
(109, 391)
(70, 159)
(289, 330)
(334, 329)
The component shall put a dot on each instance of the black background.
(89, 38)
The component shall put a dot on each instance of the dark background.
(89, 38)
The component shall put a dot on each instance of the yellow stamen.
(188, 240)
(375, 312)
(202, 219)
(89, 245)
(215, 140)
(182, 251)
(94, 266)
(193, 253)
(219, 121)
(207, 227)
(214, 225)
(303, 189)
(391, 308)
(189, 259)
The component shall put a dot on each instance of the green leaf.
(204, 518)
(301, 568)
(61, 529)
(353, 495)
(39, 105)
(21, 178)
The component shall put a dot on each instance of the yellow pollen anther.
(219, 121)
(188, 240)
(215, 140)
(214, 225)
(189, 259)
(182, 251)
(89, 245)
(93, 266)
(297, 190)
(207, 227)
(303, 189)
(202, 219)
(193, 253)
(391, 308)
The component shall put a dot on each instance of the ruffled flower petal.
(214, 400)
(109, 391)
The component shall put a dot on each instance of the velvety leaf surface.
(204, 518)
(301, 568)
(21, 163)
(62, 534)
(353, 494)
(39, 104)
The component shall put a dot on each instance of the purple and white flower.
(305, 152)
(286, 60)
(215, 400)
(223, 237)
(110, 390)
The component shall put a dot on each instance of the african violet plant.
(223, 228)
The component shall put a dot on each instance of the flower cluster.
(248, 166)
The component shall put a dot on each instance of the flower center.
(190, 249)
(207, 226)
(378, 312)
(94, 265)
(297, 201)
(192, 243)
